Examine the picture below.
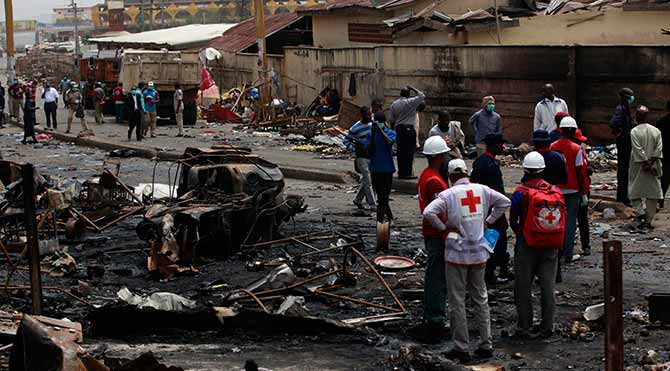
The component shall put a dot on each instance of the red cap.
(580, 136)
(561, 115)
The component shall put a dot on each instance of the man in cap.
(151, 99)
(621, 125)
(468, 209)
(574, 188)
(546, 109)
(430, 186)
(402, 116)
(555, 171)
(644, 186)
(74, 101)
(484, 122)
(537, 217)
(486, 171)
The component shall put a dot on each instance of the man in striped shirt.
(357, 140)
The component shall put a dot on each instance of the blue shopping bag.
(491, 236)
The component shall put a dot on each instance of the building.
(88, 15)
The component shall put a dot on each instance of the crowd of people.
(467, 212)
(138, 106)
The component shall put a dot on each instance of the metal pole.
(151, 15)
(262, 51)
(495, 6)
(613, 263)
(77, 50)
(9, 28)
(31, 236)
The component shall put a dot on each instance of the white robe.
(647, 143)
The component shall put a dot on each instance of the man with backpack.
(537, 217)
(357, 140)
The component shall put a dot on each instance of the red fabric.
(543, 214)
(430, 184)
(117, 94)
(487, 153)
(206, 79)
(569, 149)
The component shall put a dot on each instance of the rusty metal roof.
(243, 35)
(338, 4)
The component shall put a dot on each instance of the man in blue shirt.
(484, 122)
(382, 167)
(357, 140)
(556, 171)
(486, 171)
(151, 99)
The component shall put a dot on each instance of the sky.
(40, 9)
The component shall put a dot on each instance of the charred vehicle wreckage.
(224, 197)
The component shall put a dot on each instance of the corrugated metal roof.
(338, 4)
(170, 37)
(243, 35)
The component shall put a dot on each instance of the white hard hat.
(568, 122)
(151, 84)
(435, 145)
(534, 161)
(457, 166)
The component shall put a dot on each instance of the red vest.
(570, 150)
(425, 198)
(543, 215)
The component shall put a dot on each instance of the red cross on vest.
(471, 201)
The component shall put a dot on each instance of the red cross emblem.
(471, 201)
(550, 218)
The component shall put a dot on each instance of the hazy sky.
(40, 9)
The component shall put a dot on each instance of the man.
(98, 103)
(583, 212)
(16, 94)
(574, 190)
(451, 132)
(381, 166)
(663, 124)
(402, 116)
(486, 171)
(644, 187)
(178, 102)
(74, 100)
(537, 217)
(119, 101)
(2, 106)
(546, 109)
(465, 207)
(430, 186)
(50, 96)
(555, 169)
(484, 122)
(357, 141)
(377, 105)
(135, 108)
(151, 99)
(621, 125)
(64, 85)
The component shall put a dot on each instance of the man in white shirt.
(178, 102)
(547, 108)
(468, 209)
(50, 97)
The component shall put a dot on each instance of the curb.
(291, 172)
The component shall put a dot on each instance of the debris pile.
(603, 159)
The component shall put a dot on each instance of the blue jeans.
(572, 207)
(119, 112)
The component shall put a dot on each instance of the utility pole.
(77, 51)
(262, 51)
(9, 28)
(27, 175)
(151, 15)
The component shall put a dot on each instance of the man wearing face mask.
(485, 122)
(621, 125)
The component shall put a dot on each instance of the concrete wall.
(330, 31)
(456, 77)
(615, 26)
(234, 70)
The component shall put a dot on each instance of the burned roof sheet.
(243, 35)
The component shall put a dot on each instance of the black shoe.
(484, 353)
(463, 357)
(586, 251)
(359, 205)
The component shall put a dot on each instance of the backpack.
(544, 216)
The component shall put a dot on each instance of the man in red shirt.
(583, 213)
(435, 289)
(574, 189)
(119, 101)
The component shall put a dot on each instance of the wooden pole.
(9, 29)
(495, 7)
(613, 263)
(28, 177)
(262, 52)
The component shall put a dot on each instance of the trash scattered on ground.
(160, 300)
(594, 312)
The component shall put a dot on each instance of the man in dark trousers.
(663, 124)
(621, 125)
(402, 116)
(135, 108)
(430, 186)
(486, 171)
(555, 172)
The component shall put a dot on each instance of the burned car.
(225, 197)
